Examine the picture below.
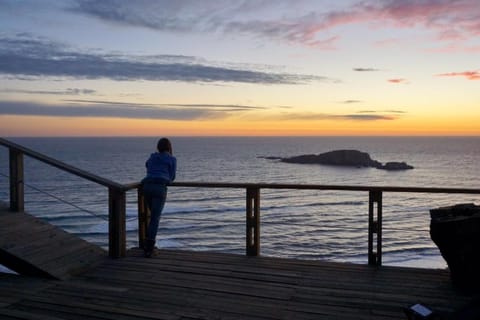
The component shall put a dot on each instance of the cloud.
(365, 69)
(288, 21)
(177, 16)
(327, 116)
(351, 101)
(106, 109)
(396, 111)
(448, 20)
(293, 31)
(226, 17)
(373, 115)
(455, 48)
(382, 111)
(367, 117)
(398, 81)
(25, 56)
(469, 75)
(224, 107)
(445, 16)
(74, 108)
(66, 92)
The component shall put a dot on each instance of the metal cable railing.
(185, 218)
(90, 212)
(60, 199)
(169, 217)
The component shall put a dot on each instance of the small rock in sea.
(396, 166)
(349, 158)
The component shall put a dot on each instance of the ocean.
(301, 224)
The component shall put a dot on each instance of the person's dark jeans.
(155, 196)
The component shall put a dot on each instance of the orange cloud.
(470, 75)
(398, 80)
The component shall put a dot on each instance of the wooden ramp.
(34, 247)
(180, 285)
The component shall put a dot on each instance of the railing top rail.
(315, 187)
(61, 165)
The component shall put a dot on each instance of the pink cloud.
(326, 44)
(398, 80)
(449, 20)
(301, 30)
(454, 48)
(470, 75)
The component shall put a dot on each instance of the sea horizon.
(243, 136)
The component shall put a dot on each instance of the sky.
(239, 68)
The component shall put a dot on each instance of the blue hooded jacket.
(162, 166)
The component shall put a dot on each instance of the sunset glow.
(247, 68)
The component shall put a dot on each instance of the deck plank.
(14, 287)
(29, 245)
(204, 285)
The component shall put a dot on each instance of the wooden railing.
(375, 208)
(117, 201)
(116, 192)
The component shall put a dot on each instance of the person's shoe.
(148, 248)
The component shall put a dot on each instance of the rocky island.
(349, 158)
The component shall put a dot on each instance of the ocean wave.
(421, 259)
(205, 199)
(171, 210)
(76, 219)
(168, 243)
(102, 228)
(421, 250)
(193, 209)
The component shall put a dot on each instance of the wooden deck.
(31, 246)
(64, 277)
(204, 285)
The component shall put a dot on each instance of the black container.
(456, 232)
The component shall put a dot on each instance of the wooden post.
(143, 217)
(17, 191)
(117, 237)
(375, 227)
(253, 221)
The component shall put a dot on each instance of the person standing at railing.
(161, 171)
